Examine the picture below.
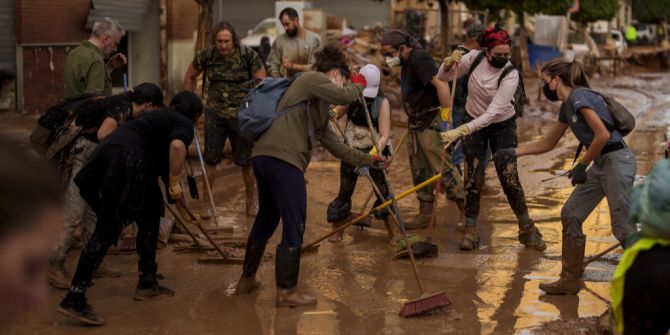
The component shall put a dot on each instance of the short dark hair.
(290, 12)
(27, 187)
(328, 58)
(188, 104)
(225, 25)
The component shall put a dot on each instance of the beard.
(292, 32)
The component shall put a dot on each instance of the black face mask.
(550, 94)
(498, 62)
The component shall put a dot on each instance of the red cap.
(494, 36)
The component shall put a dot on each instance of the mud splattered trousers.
(425, 156)
(610, 176)
(340, 208)
(498, 136)
(121, 188)
(77, 213)
(217, 130)
(282, 194)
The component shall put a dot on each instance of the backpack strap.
(507, 70)
(245, 62)
(376, 107)
(209, 55)
(475, 63)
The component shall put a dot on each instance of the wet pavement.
(360, 290)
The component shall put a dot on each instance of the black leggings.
(340, 208)
(499, 136)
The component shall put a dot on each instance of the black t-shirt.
(91, 115)
(356, 112)
(419, 94)
(152, 134)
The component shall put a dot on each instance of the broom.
(427, 302)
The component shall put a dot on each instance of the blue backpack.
(259, 108)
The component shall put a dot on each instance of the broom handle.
(395, 153)
(209, 239)
(395, 207)
(438, 186)
(182, 224)
(362, 217)
(204, 176)
(600, 254)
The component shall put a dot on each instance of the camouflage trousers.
(425, 158)
(77, 213)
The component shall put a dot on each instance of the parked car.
(646, 33)
(268, 27)
(619, 41)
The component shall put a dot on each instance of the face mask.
(550, 94)
(498, 62)
(393, 61)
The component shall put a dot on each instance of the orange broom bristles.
(426, 304)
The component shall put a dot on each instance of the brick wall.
(42, 77)
(51, 21)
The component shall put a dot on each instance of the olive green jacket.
(86, 71)
(288, 137)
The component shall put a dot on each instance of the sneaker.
(142, 294)
(75, 306)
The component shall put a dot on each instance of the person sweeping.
(281, 156)
(490, 121)
(358, 135)
(121, 183)
(612, 171)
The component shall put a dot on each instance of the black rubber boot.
(148, 286)
(75, 306)
(252, 260)
(287, 269)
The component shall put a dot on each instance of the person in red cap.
(490, 120)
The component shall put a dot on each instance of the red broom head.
(428, 303)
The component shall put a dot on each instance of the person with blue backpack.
(613, 166)
(285, 139)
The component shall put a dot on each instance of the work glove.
(357, 78)
(504, 155)
(362, 171)
(379, 162)
(174, 191)
(578, 173)
(451, 136)
(452, 59)
(332, 114)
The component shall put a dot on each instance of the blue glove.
(362, 171)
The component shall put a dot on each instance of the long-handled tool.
(363, 216)
(599, 255)
(204, 176)
(428, 302)
(181, 223)
(393, 156)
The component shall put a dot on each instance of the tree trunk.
(444, 26)
(204, 33)
(523, 43)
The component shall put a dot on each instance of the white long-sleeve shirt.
(487, 103)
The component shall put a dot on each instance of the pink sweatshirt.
(486, 102)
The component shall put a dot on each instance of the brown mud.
(360, 290)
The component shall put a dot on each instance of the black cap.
(188, 104)
(148, 92)
(475, 30)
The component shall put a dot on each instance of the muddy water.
(494, 290)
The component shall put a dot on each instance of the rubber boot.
(105, 270)
(572, 259)
(206, 212)
(251, 204)
(422, 220)
(529, 235)
(75, 306)
(148, 287)
(58, 277)
(470, 236)
(339, 236)
(252, 260)
(287, 268)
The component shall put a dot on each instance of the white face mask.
(393, 61)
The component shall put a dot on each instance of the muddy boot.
(75, 306)
(105, 270)
(58, 277)
(338, 237)
(529, 235)
(572, 258)
(422, 220)
(252, 260)
(251, 206)
(460, 203)
(470, 237)
(287, 269)
(148, 287)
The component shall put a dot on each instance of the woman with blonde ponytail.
(612, 170)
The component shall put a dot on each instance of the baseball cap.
(148, 92)
(475, 30)
(372, 78)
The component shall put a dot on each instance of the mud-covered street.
(494, 290)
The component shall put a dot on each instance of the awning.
(129, 13)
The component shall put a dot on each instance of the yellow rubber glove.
(452, 59)
(174, 191)
(372, 151)
(451, 136)
(445, 114)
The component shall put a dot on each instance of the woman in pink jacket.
(490, 120)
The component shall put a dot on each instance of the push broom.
(427, 302)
